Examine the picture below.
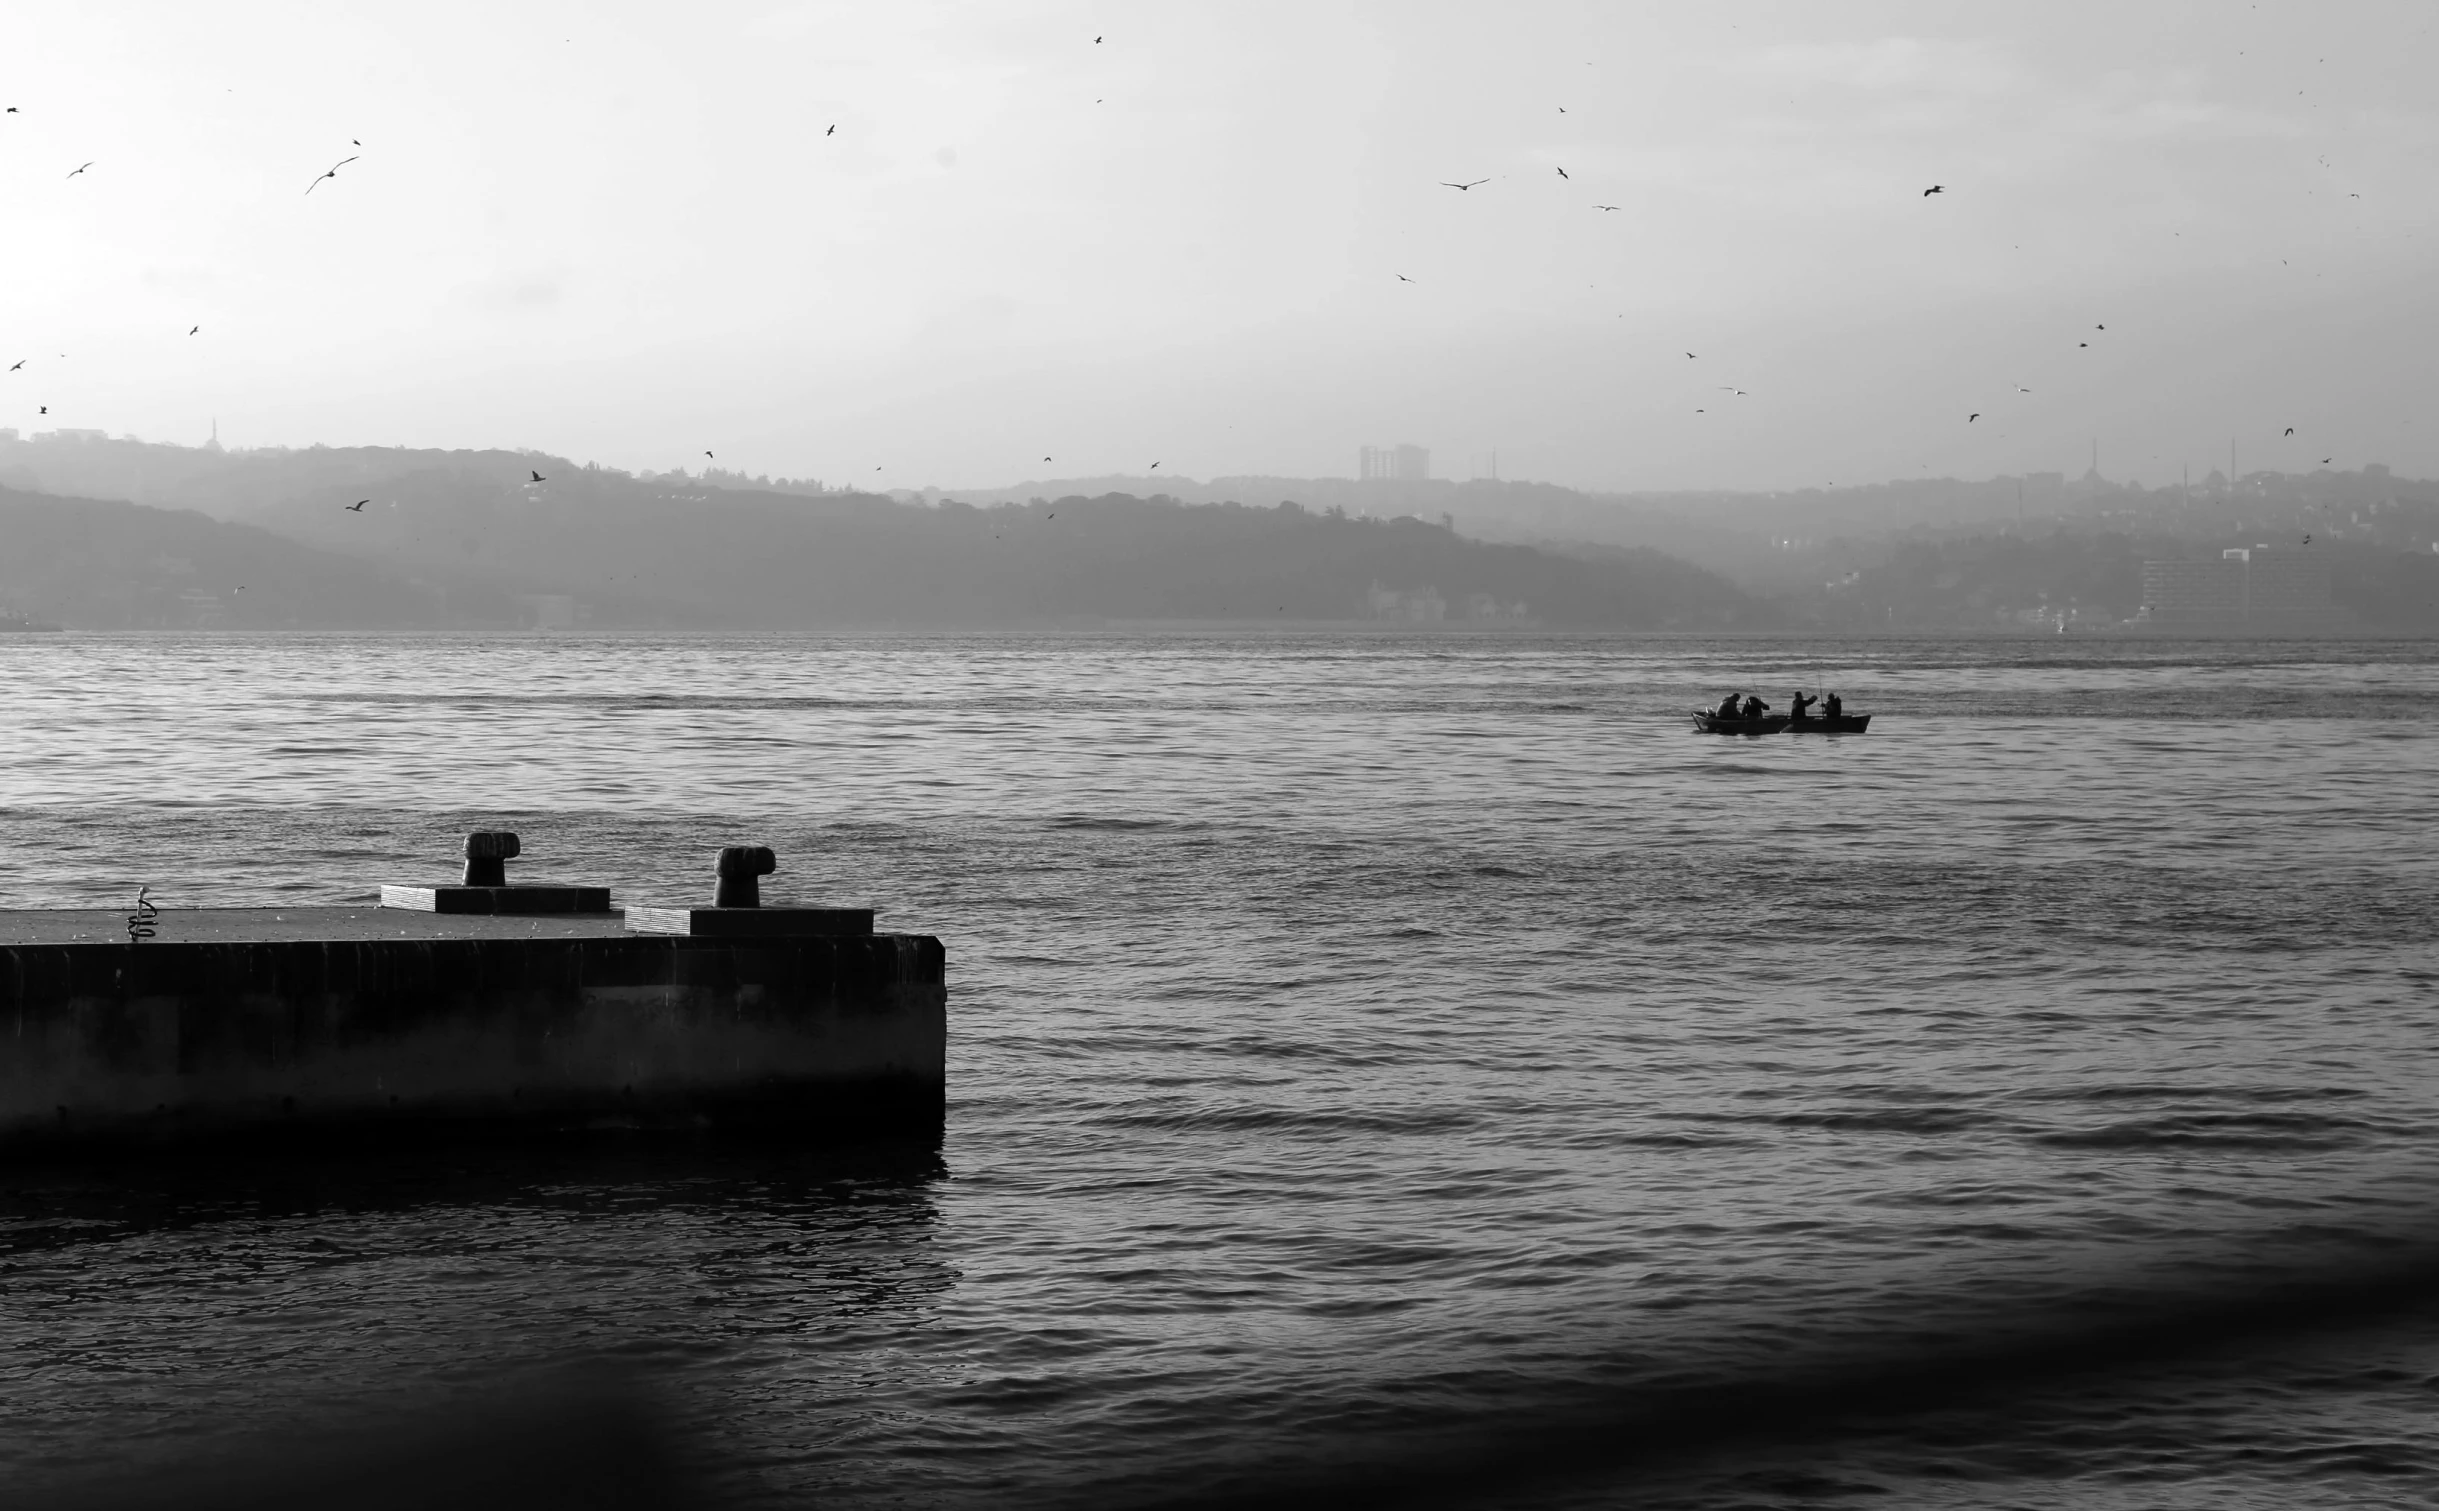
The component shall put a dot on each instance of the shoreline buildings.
(2256, 588)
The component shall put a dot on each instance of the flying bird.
(1935, 189)
(2290, 430)
(1402, 278)
(192, 329)
(12, 110)
(2100, 327)
(1689, 356)
(2324, 461)
(1562, 173)
(2020, 388)
(2083, 343)
(19, 363)
(1461, 187)
(333, 173)
(1096, 41)
(358, 506)
(1604, 207)
(538, 477)
(1045, 459)
(80, 170)
(833, 131)
(714, 458)
(45, 409)
(1969, 419)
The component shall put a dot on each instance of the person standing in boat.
(1796, 704)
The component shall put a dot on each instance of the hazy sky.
(623, 232)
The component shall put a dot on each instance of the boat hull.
(1843, 724)
(1712, 724)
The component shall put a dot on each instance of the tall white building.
(1404, 464)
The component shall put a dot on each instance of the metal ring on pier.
(139, 922)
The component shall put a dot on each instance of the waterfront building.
(2267, 589)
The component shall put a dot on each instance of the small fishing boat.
(1767, 724)
(1822, 724)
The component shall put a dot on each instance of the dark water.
(1353, 1038)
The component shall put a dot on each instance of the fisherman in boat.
(1796, 704)
(1832, 707)
(1755, 707)
(1729, 710)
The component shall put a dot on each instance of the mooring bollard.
(740, 868)
(485, 888)
(488, 852)
(736, 907)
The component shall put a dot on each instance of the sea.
(1363, 1047)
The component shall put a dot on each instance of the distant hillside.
(638, 551)
(470, 538)
(1985, 580)
(96, 565)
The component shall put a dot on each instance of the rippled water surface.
(1352, 1037)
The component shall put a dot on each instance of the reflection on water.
(159, 1310)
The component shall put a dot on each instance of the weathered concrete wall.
(102, 1041)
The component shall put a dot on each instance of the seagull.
(1096, 41)
(2324, 461)
(2020, 388)
(1935, 189)
(1562, 173)
(833, 131)
(1045, 459)
(2290, 430)
(19, 363)
(80, 170)
(1402, 278)
(714, 458)
(538, 477)
(2307, 538)
(2083, 343)
(333, 173)
(193, 329)
(1462, 187)
(2100, 327)
(1155, 466)
(1605, 207)
(1969, 419)
(45, 409)
(1689, 356)
(358, 506)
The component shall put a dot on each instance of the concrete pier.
(279, 1022)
